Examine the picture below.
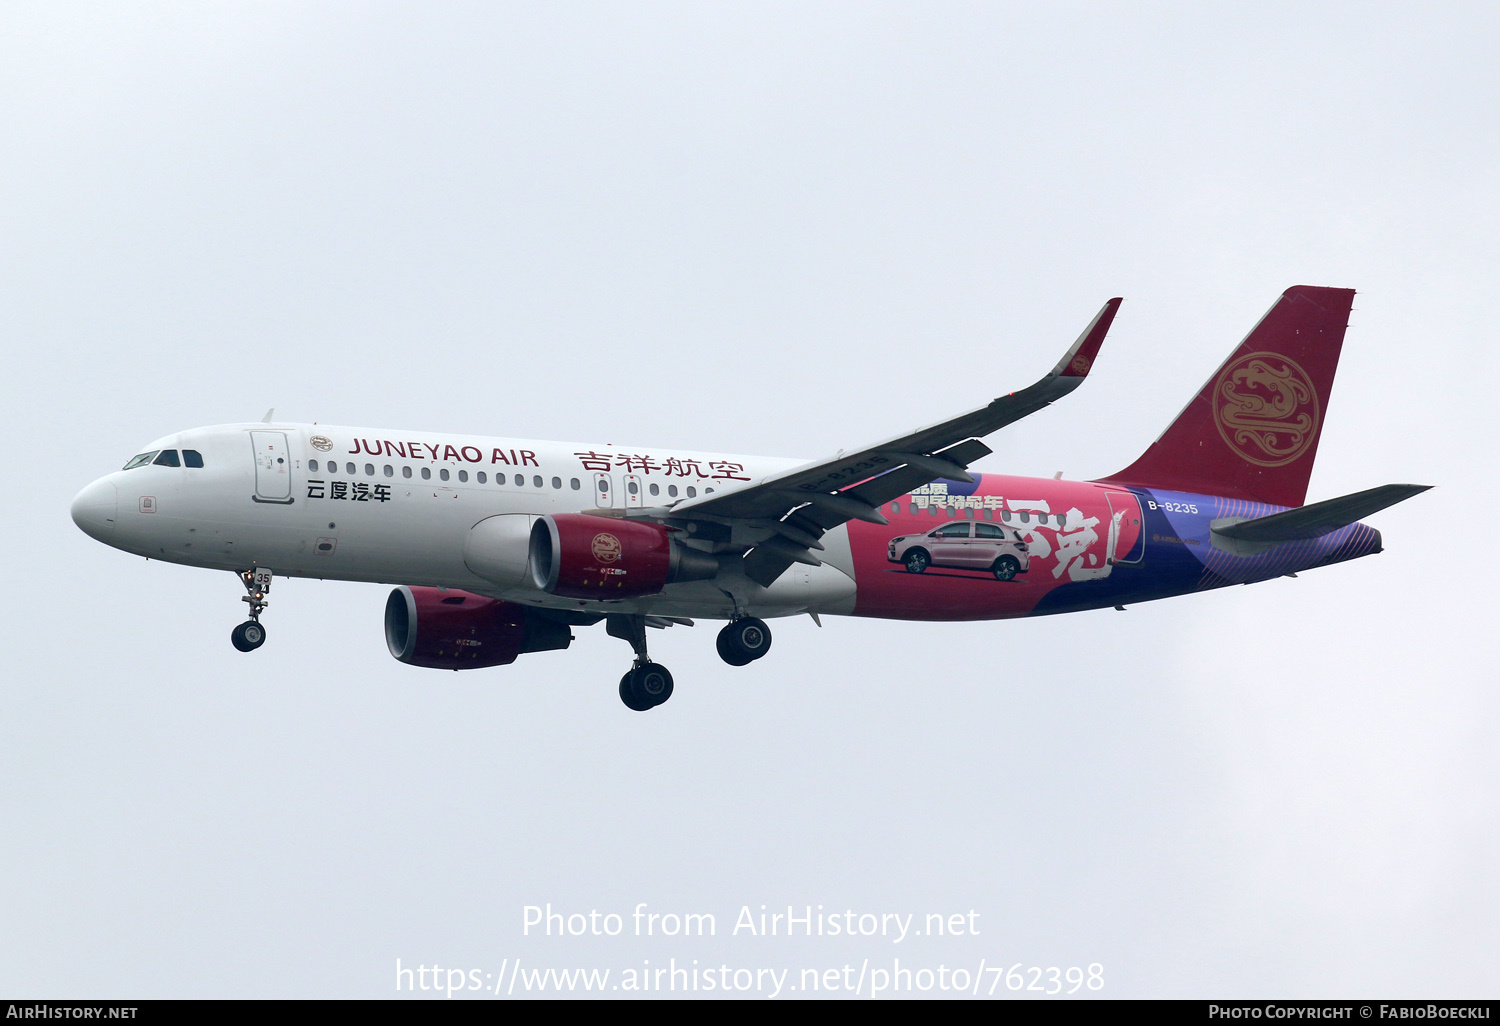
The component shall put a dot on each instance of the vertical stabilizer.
(1252, 432)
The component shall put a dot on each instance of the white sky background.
(761, 229)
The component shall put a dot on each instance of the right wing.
(799, 505)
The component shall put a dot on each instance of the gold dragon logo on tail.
(1266, 409)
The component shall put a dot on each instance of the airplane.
(499, 547)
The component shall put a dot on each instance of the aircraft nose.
(94, 509)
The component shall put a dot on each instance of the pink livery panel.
(992, 549)
(1014, 546)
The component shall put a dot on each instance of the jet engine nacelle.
(577, 555)
(457, 630)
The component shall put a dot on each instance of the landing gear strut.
(250, 635)
(744, 641)
(648, 684)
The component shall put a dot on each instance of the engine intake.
(457, 630)
(577, 555)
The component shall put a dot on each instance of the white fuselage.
(397, 507)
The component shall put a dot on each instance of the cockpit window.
(192, 458)
(141, 460)
(168, 458)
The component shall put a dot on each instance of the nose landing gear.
(250, 635)
(744, 641)
(648, 684)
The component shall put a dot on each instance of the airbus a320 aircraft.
(500, 546)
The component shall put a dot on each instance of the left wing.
(797, 506)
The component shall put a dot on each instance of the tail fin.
(1252, 432)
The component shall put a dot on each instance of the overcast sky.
(758, 228)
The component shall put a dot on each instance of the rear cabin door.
(273, 469)
(1127, 542)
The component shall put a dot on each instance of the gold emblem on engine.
(1266, 409)
(606, 548)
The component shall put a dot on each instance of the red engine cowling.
(576, 555)
(457, 630)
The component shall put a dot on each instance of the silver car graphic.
(965, 545)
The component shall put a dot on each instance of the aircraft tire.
(628, 695)
(248, 636)
(651, 683)
(728, 652)
(744, 640)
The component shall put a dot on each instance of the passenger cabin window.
(1062, 521)
(536, 482)
(479, 476)
(141, 460)
(167, 458)
(557, 482)
(672, 491)
(426, 473)
(443, 474)
(692, 492)
(369, 470)
(406, 472)
(349, 469)
(575, 484)
(463, 475)
(312, 465)
(192, 458)
(656, 489)
(389, 471)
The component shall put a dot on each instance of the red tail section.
(1252, 433)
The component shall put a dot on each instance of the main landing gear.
(744, 641)
(250, 635)
(648, 684)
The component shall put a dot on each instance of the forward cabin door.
(273, 468)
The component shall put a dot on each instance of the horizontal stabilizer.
(1317, 519)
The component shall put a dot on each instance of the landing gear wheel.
(646, 686)
(627, 695)
(744, 640)
(917, 561)
(1005, 568)
(728, 652)
(248, 636)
